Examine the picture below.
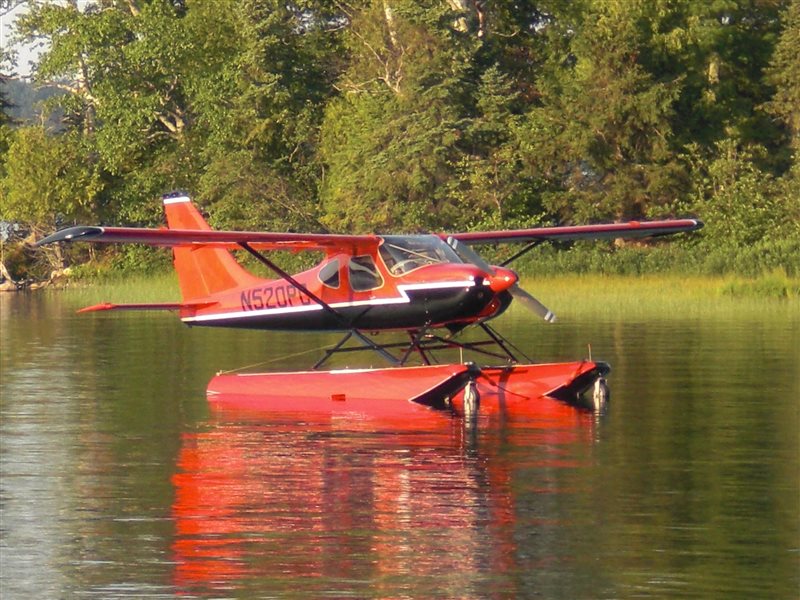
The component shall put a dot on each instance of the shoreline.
(656, 292)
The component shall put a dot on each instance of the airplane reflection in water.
(341, 501)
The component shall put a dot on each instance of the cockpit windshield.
(404, 253)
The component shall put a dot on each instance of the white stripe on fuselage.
(402, 299)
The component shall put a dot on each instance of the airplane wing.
(230, 240)
(632, 229)
(189, 229)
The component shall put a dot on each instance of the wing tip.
(70, 234)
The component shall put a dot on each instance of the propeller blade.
(532, 303)
(470, 255)
(517, 292)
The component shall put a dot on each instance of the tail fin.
(201, 271)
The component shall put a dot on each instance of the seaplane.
(430, 288)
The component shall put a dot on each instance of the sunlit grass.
(775, 284)
(570, 296)
(138, 288)
(663, 296)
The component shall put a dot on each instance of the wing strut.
(522, 252)
(294, 283)
(325, 306)
(503, 343)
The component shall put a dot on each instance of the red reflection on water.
(277, 502)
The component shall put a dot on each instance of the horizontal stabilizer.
(154, 306)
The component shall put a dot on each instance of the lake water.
(119, 482)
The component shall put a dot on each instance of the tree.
(119, 63)
(491, 177)
(48, 182)
(784, 74)
(258, 102)
(5, 121)
(719, 51)
(600, 134)
(390, 141)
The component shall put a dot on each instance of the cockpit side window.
(329, 274)
(364, 274)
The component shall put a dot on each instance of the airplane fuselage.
(411, 282)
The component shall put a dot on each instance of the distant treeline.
(398, 115)
(26, 103)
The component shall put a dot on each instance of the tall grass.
(162, 287)
(680, 258)
(575, 295)
(775, 284)
(662, 296)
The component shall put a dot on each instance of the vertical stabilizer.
(201, 271)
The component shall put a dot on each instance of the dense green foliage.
(401, 115)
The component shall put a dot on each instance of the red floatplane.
(431, 286)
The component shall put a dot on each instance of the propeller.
(516, 291)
